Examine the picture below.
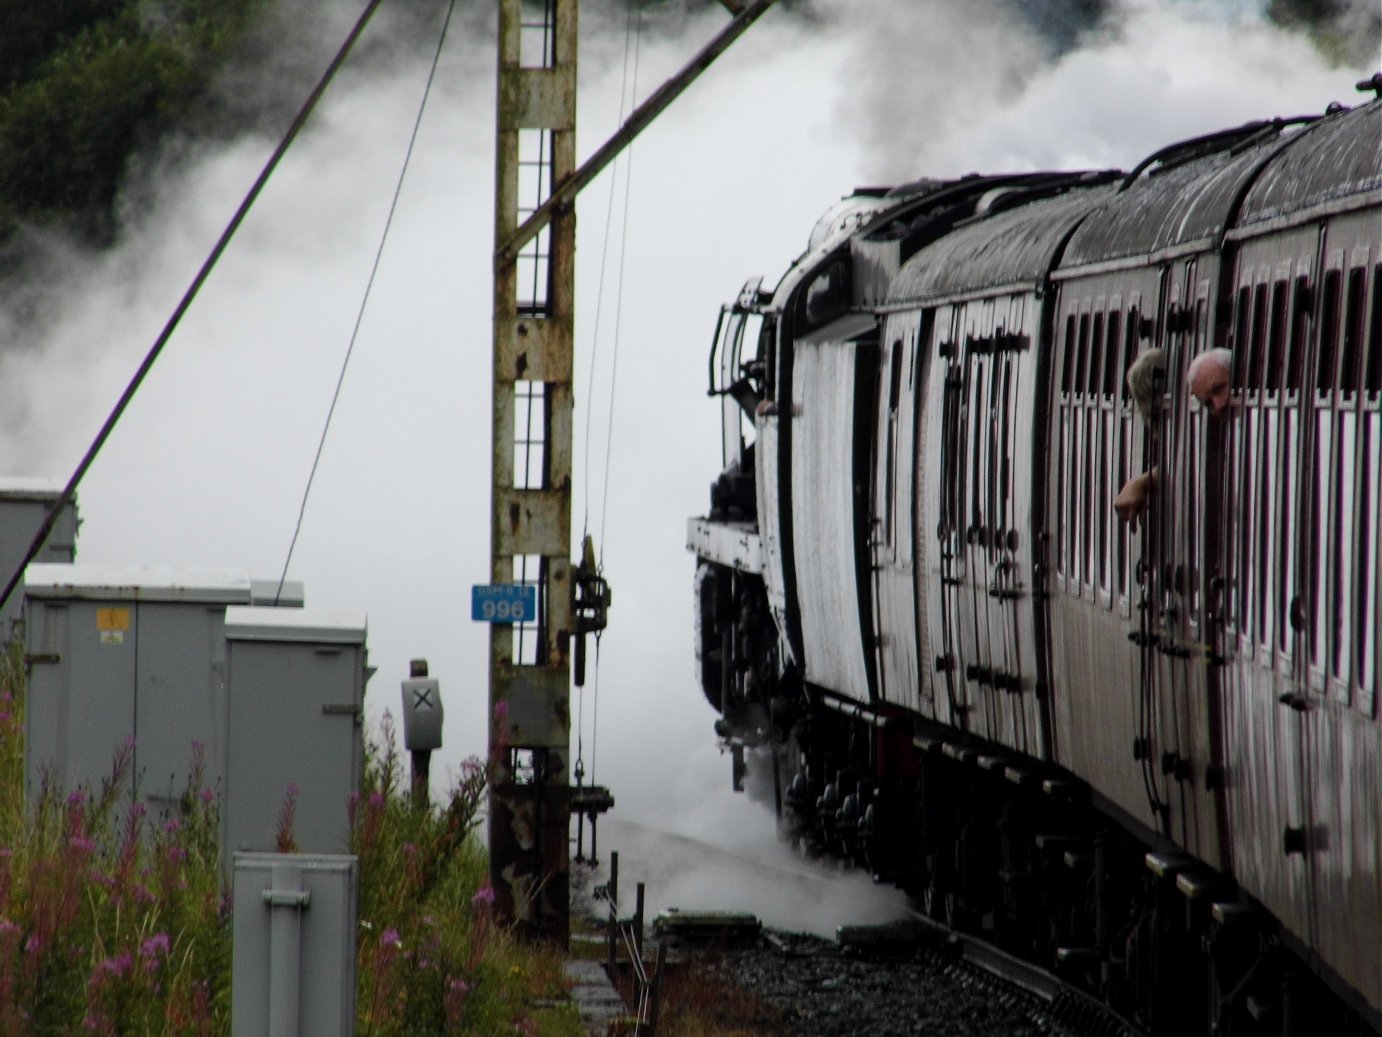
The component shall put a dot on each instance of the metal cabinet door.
(293, 722)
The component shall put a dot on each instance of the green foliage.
(84, 82)
(30, 31)
(110, 922)
(432, 957)
(113, 922)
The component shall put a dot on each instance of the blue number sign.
(503, 603)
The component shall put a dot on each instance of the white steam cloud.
(976, 87)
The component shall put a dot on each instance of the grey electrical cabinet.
(293, 940)
(24, 504)
(295, 684)
(126, 655)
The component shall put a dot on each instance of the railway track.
(1071, 1007)
(908, 977)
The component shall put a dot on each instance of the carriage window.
(1001, 519)
(828, 295)
(1062, 481)
(1300, 328)
(1248, 465)
(1266, 502)
(1111, 355)
(1372, 378)
(1276, 336)
(1341, 553)
(1096, 351)
(1129, 350)
(1285, 573)
(1067, 366)
(1258, 344)
(977, 416)
(1354, 316)
(1192, 558)
(895, 383)
(1082, 354)
(1319, 475)
(1242, 318)
(1365, 566)
(1329, 331)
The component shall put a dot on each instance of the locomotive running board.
(734, 544)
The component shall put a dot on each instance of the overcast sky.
(209, 465)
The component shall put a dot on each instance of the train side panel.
(938, 527)
(892, 533)
(1302, 604)
(1102, 324)
(833, 389)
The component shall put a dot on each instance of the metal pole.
(422, 777)
(638, 921)
(286, 900)
(642, 117)
(534, 303)
(530, 520)
(655, 1000)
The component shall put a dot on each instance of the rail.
(625, 947)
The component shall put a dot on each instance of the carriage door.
(945, 556)
(1190, 740)
(979, 574)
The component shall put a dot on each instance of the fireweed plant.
(433, 959)
(116, 922)
(111, 920)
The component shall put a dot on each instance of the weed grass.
(113, 922)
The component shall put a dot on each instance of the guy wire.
(185, 302)
(364, 301)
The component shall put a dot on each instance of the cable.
(604, 256)
(208, 265)
(364, 301)
(633, 28)
(619, 303)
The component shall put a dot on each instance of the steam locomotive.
(1148, 756)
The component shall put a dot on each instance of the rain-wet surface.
(795, 980)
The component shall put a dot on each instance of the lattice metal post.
(530, 735)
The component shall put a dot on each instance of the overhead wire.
(364, 301)
(628, 89)
(68, 491)
(619, 303)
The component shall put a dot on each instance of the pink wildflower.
(390, 938)
(155, 945)
(117, 965)
(484, 897)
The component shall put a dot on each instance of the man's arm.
(1132, 499)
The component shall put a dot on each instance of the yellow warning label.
(112, 619)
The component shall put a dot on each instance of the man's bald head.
(1209, 377)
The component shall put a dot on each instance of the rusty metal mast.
(536, 182)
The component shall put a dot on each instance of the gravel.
(819, 991)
